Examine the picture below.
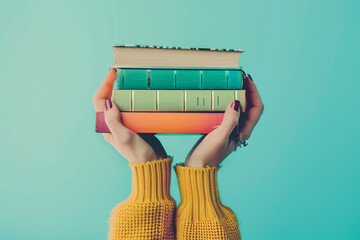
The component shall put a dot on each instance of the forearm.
(201, 215)
(149, 211)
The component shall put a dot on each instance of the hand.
(211, 149)
(136, 148)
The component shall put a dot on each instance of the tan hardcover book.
(160, 56)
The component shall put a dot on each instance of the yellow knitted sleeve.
(201, 215)
(149, 212)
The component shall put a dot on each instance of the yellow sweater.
(150, 212)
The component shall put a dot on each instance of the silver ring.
(239, 142)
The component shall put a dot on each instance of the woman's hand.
(136, 148)
(213, 148)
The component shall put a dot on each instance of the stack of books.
(174, 90)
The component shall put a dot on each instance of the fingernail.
(243, 72)
(110, 104)
(106, 107)
(236, 105)
(250, 77)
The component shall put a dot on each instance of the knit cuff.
(199, 192)
(151, 180)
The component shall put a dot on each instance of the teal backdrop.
(297, 179)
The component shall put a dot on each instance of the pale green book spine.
(176, 100)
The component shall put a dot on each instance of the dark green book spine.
(178, 79)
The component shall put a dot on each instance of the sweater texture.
(150, 212)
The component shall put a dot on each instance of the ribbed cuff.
(199, 192)
(151, 180)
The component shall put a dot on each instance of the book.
(178, 78)
(173, 89)
(177, 100)
(161, 56)
(164, 122)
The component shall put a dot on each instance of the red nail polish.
(110, 104)
(106, 107)
(236, 106)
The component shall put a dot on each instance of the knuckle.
(94, 99)
(112, 115)
(246, 136)
(110, 120)
(234, 121)
(262, 107)
(230, 121)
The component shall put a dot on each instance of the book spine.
(171, 79)
(142, 122)
(177, 100)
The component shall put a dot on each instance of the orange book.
(164, 122)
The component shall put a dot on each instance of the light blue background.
(297, 179)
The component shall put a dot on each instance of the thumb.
(113, 117)
(231, 117)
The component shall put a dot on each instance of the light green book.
(176, 100)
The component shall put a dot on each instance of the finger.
(104, 91)
(252, 93)
(249, 124)
(231, 118)
(113, 118)
(254, 112)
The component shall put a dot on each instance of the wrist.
(144, 159)
(199, 164)
(151, 180)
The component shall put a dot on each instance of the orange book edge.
(164, 122)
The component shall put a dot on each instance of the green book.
(176, 100)
(178, 79)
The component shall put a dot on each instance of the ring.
(239, 142)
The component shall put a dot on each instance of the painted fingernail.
(243, 72)
(110, 104)
(106, 107)
(250, 77)
(236, 105)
